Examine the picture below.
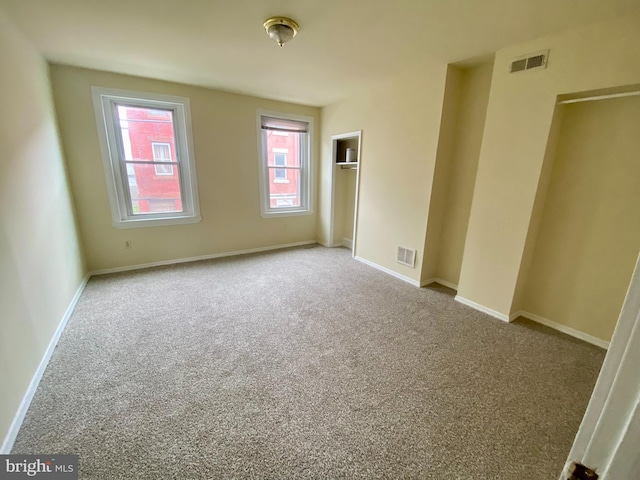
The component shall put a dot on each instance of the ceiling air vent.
(406, 256)
(533, 61)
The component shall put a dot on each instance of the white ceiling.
(342, 45)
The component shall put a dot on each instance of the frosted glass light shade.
(281, 29)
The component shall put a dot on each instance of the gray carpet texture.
(303, 363)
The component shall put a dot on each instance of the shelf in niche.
(347, 147)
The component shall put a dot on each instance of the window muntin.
(285, 178)
(148, 159)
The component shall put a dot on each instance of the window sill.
(286, 213)
(280, 180)
(156, 222)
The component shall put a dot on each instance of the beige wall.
(439, 189)
(589, 238)
(518, 125)
(400, 123)
(225, 144)
(345, 202)
(538, 208)
(472, 108)
(40, 262)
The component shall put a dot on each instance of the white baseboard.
(347, 243)
(415, 283)
(536, 318)
(201, 257)
(450, 285)
(14, 428)
(563, 328)
(483, 309)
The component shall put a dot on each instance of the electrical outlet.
(127, 244)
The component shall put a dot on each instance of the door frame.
(357, 134)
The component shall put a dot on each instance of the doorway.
(345, 180)
(588, 234)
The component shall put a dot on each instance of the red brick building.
(148, 136)
(283, 150)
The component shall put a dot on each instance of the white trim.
(599, 97)
(287, 213)
(201, 257)
(357, 199)
(158, 222)
(442, 282)
(18, 418)
(413, 282)
(447, 284)
(483, 309)
(347, 243)
(562, 328)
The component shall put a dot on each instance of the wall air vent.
(518, 65)
(406, 256)
(533, 61)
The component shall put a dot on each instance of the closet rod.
(600, 97)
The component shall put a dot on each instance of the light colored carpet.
(303, 364)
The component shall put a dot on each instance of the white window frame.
(105, 101)
(306, 168)
(156, 159)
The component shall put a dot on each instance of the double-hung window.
(285, 164)
(148, 157)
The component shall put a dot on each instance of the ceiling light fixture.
(281, 29)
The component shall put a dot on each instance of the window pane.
(284, 184)
(140, 128)
(148, 135)
(284, 194)
(153, 193)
